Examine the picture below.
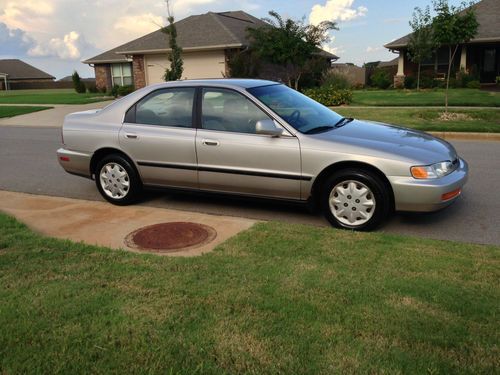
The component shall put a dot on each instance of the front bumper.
(411, 194)
(75, 162)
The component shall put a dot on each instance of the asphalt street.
(28, 164)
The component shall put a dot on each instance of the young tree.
(421, 45)
(453, 26)
(77, 83)
(175, 55)
(289, 43)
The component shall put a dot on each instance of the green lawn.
(53, 96)
(16, 111)
(278, 298)
(478, 120)
(458, 97)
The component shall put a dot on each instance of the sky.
(56, 35)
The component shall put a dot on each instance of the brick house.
(16, 74)
(480, 56)
(208, 40)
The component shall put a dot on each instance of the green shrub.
(473, 85)
(410, 82)
(78, 84)
(125, 90)
(92, 88)
(335, 80)
(330, 96)
(114, 91)
(381, 79)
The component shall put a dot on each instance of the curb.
(468, 136)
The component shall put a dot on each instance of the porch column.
(399, 79)
(463, 59)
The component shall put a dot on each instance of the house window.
(122, 74)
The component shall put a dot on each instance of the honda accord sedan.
(262, 139)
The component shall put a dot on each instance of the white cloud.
(66, 48)
(20, 14)
(336, 10)
(138, 25)
(370, 49)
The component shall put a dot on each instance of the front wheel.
(355, 199)
(117, 180)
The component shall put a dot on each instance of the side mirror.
(268, 127)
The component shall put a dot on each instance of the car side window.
(227, 110)
(168, 107)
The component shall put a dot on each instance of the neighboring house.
(208, 41)
(480, 56)
(16, 74)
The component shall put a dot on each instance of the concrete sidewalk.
(53, 117)
(104, 224)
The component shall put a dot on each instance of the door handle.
(131, 135)
(210, 142)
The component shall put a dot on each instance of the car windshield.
(300, 111)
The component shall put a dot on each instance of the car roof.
(225, 82)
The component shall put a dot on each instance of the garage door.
(197, 65)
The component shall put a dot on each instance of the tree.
(77, 83)
(453, 26)
(175, 55)
(289, 43)
(421, 45)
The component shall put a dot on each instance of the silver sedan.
(262, 139)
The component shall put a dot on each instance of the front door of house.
(489, 65)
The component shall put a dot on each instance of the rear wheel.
(117, 180)
(355, 199)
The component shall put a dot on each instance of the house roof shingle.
(17, 69)
(488, 16)
(226, 29)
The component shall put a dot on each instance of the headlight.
(432, 171)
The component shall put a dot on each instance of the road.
(28, 164)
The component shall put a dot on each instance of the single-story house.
(15, 73)
(208, 41)
(481, 55)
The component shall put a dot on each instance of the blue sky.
(55, 35)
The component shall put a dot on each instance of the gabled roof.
(488, 17)
(200, 32)
(17, 69)
(205, 31)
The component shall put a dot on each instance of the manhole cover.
(170, 236)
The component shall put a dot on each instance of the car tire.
(355, 199)
(117, 180)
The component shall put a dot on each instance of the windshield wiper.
(319, 129)
(343, 121)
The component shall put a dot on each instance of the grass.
(477, 120)
(7, 111)
(278, 298)
(434, 97)
(49, 96)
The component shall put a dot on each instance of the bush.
(114, 91)
(92, 88)
(335, 80)
(410, 82)
(125, 90)
(474, 85)
(330, 96)
(78, 84)
(381, 79)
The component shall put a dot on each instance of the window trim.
(121, 74)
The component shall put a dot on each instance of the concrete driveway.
(28, 164)
(53, 117)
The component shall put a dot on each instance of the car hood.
(391, 142)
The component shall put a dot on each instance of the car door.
(233, 158)
(158, 134)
